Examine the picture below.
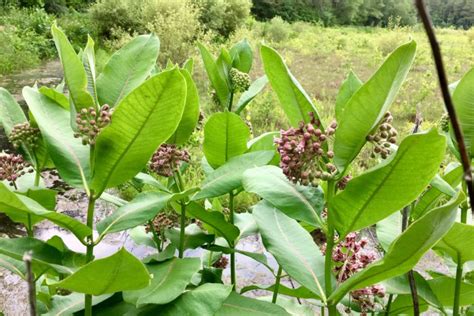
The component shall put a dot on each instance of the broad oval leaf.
(218, 81)
(292, 246)
(444, 287)
(294, 100)
(143, 120)
(270, 184)
(463, 99)
(127, 69)
(190, 114)
(74, 72)
(119, 272)
(255, 88)
(214, 219)
(170, 279)
(457, 243)
(369, 103)
(225, 136)
(10, 111)
(141, 209)
(347, 90)
(242, 56)
(406, 250)
(237, 305)
(68, 154)
(88, 60)
(389, 187)
(65, 305)
(229, 176)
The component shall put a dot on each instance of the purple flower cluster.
(350, 256)
(383, 137)
(161, 222)
(221, 263)
(90, 123)
(304, 158)
(24, 134)
(12, 167)
(167, 159)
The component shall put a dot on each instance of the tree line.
(458, 13)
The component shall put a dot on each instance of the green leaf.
(225, 136)
(194, 237)
(15, 266)
(141, 209)
(433, 195)
(259, 257)
(403, 305)
(10, 111)
(145, 178)
(406, 250)
(70, 304)
(18, 207)
(88, 60)
(457, 243)
(190, 115)
(463, 99)
(228, 177)
(389, 229)
(255, 88)
(444, 286)
(143, 120)
(242, 56)
(295, 102)
(189, 65)
(56, 96)
(74, 72)
(45, 197)
(392, 185)
(292, 246)
(170, 279)
(214, 219)
(369, 103)
(206, 299)
(68, 154)
(119, 272)
(218, 81)
(237, 305)
(300, 292)
(127, 69)
(347, 90)
(270, 184)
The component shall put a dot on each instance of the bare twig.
(448, 102)
(27, 258)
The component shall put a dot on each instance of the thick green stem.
(331, 190)
(277, 285)
(90, 250)
(182, 230)
(232, 255)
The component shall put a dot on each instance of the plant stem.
(182, 230)
(459, 269)
(277, 285)
(232, 254)
(331, 189)
(389, 305)
(410, 274)
(448, 102)
(90, 249)
(27, 258)
(156, 238)
(231, 100)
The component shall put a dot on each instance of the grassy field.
(320, 58)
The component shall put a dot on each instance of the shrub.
(277, 30)
(223, 16)
(175, 22)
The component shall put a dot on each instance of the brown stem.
(448, 102)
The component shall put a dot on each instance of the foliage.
(132, 124)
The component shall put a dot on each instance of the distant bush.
(175, 22)
(277, 30)
(223, 17)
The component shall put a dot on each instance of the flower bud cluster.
(444, 123)
(341, 185)
(161, 222)
(167, 159)
(13, 166)
(221, 263)
(90, 123)
(24, 133)
(240, 80)
(350, 256)
(382, 139)
(303, 155)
